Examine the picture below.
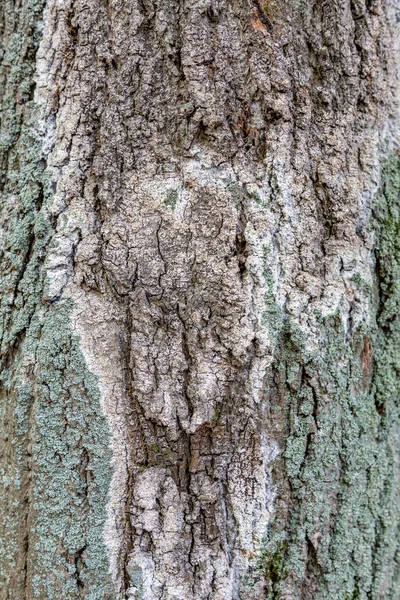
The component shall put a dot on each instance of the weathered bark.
(200, 266)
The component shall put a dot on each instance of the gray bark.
(199, 299)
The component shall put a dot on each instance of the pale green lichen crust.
(337, 522)
(54, 445)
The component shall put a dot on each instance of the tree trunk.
(200, 290)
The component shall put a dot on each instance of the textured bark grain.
(199, 295)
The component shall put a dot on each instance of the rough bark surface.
(200, 269)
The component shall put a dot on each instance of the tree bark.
(200, 267)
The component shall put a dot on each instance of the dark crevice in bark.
(78, 563)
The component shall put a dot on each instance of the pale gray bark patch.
(214, 166)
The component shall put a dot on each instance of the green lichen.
(337, 507)
(217, 416)
(136, 581)
(360, 282)
(171, 199)
(254, 195)
(235, 189)
(70, 465)
(273, 565)
(386, 380)
(55, 460)
(270, 8)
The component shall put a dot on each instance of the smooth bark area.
(200, 267)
